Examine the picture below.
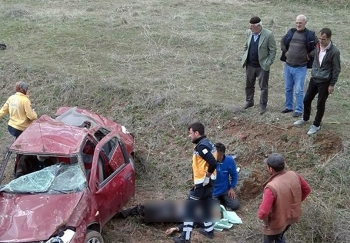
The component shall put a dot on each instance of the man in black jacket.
(324, 75)
(297, 47)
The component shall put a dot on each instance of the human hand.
(206, 181)
(330, 89)
(171, 230)
(231, 193)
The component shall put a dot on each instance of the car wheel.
(93, 237)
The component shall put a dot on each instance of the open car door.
(112, 178)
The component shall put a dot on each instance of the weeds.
(156, 67)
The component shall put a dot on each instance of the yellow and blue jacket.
(204, 160)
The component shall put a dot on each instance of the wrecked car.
(63, 179)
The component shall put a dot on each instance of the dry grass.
(157, 66)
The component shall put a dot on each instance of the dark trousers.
(253, 73)
(228, 202)
(322, 90)
(279, 238)
(14, 132)
(200, 197)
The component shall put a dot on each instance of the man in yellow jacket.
(19, 108)
(200, 197)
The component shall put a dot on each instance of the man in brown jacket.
(281, 205)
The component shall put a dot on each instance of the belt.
(304, 65)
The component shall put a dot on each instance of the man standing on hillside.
(281, 205)
(226, 179)
(19, 108)
(203, 166)
(259, 54)
(324, 75)
(298, 50)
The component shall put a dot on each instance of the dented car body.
(63, 179)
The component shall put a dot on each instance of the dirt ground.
(297, 147)
(253, 141)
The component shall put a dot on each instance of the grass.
(156, 66)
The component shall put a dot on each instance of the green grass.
(157, 66)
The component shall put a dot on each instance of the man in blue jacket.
(226, 179)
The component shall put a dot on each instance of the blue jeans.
(294, 77)
(14, 132)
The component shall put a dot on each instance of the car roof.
(49, 136)
(65, 134)
(76, 117)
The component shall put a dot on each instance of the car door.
(112, 177)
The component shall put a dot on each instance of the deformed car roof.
(65, 134)
(47, 135)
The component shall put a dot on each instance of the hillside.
(157, 66)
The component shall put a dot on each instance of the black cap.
(255, 20)
(275, 160)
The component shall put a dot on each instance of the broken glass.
(58, 178)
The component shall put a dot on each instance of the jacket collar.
(199, 139)
(273, 176)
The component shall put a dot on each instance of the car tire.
(93, 237)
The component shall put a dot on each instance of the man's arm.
(305, 188)
(335, 67)
(5, 109)
(233, 172)
(31, 114)
(283, 44)
(312, 53)
(266, 204)
(271, 49)
(247, 33)
(206, 154)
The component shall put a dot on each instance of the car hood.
(26, 218)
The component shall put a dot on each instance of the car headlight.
(64, 236)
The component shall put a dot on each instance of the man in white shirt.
(324, 75)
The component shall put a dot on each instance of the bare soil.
(299, 149)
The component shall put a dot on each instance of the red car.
(63, 179)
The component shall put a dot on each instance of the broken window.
(58, 178)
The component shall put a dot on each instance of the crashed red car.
(63, 179)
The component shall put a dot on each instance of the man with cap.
(281, 205)
(19, 108)
(259, 54)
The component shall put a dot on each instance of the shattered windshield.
(58, 178)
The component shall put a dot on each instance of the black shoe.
(248, 105)
(286, 111)
(297, 114)
(262, 110)
(210, 234)
(180, 239)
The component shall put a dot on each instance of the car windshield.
(58, 178)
